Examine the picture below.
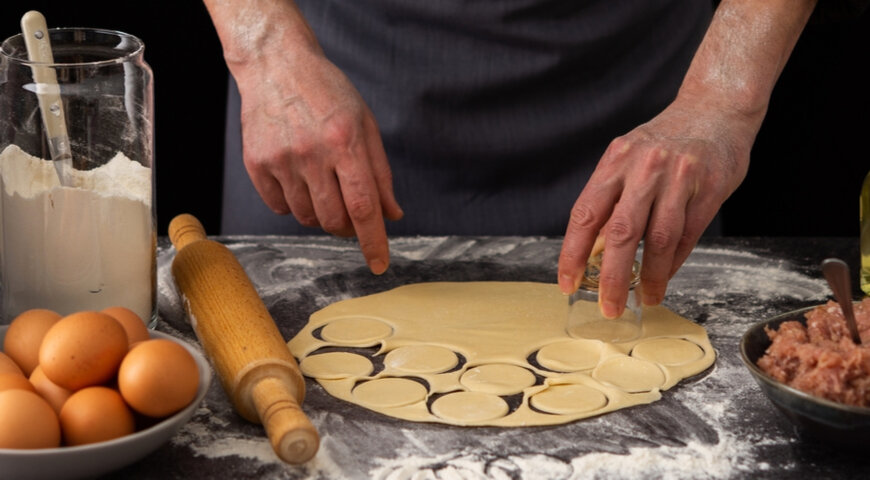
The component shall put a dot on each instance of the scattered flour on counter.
(300, 262)
(715, 461)
(688, 461)
(454, 250)
(415, 248)
(323, 465)
(726, 254)
(497, 246)
(746, 273)
(766, 284)
(299, 242)
(166, 287)
(198, 437)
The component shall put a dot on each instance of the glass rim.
(135, 48)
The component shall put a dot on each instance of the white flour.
(85, 246)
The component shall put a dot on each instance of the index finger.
(362, 201)
(588, 216)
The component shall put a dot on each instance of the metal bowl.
(821, 419)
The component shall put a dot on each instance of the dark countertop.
(715, 425)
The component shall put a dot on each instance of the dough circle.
(356, 331)
(421, 359)
(570, 356)
(497, 379)
(629, 374)
(336, 365)
(667, 351)
(568, 399)
(469, 407)
(389, 392)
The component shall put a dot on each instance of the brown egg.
(25, 334)
(27, 421)
(95, 414)
(53, 393)
(9, 381)
(83, 349)
(133, 325)
(158, 377)
(7, 365)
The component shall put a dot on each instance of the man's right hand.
(310, 143)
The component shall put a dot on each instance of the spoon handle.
(36, 40)
(837, 274)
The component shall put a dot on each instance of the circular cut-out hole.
(570, 356)
(469, 407)
(421, 359)
(389, 392)
(497, 379)
(356, 331)
(668, 351)
(568, 399)
(629, 374)
(336, 365)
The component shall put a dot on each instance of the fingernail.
(651, 300)
(566, 284)
(609, 309)
(377, 266)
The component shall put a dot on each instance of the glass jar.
(584, 315)
(77, 235)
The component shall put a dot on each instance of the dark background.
(807, 167)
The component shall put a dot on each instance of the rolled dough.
(463, 353)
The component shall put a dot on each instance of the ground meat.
(821, 358)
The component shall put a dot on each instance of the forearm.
(251, 31)
(742, 55)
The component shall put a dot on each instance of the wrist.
(251, 32)
(742, 55)
(742, 104)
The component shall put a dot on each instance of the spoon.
(837, 274)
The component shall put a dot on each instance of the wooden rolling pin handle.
(184, 230)
(291, 434)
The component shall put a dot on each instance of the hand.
(664, 181)
(312, 147)
(661, 183)
(310, 144)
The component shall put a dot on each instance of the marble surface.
(715, 425)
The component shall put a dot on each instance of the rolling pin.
(256, 369)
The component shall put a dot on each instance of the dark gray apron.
(493, 113)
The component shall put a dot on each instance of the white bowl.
(95, 459)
